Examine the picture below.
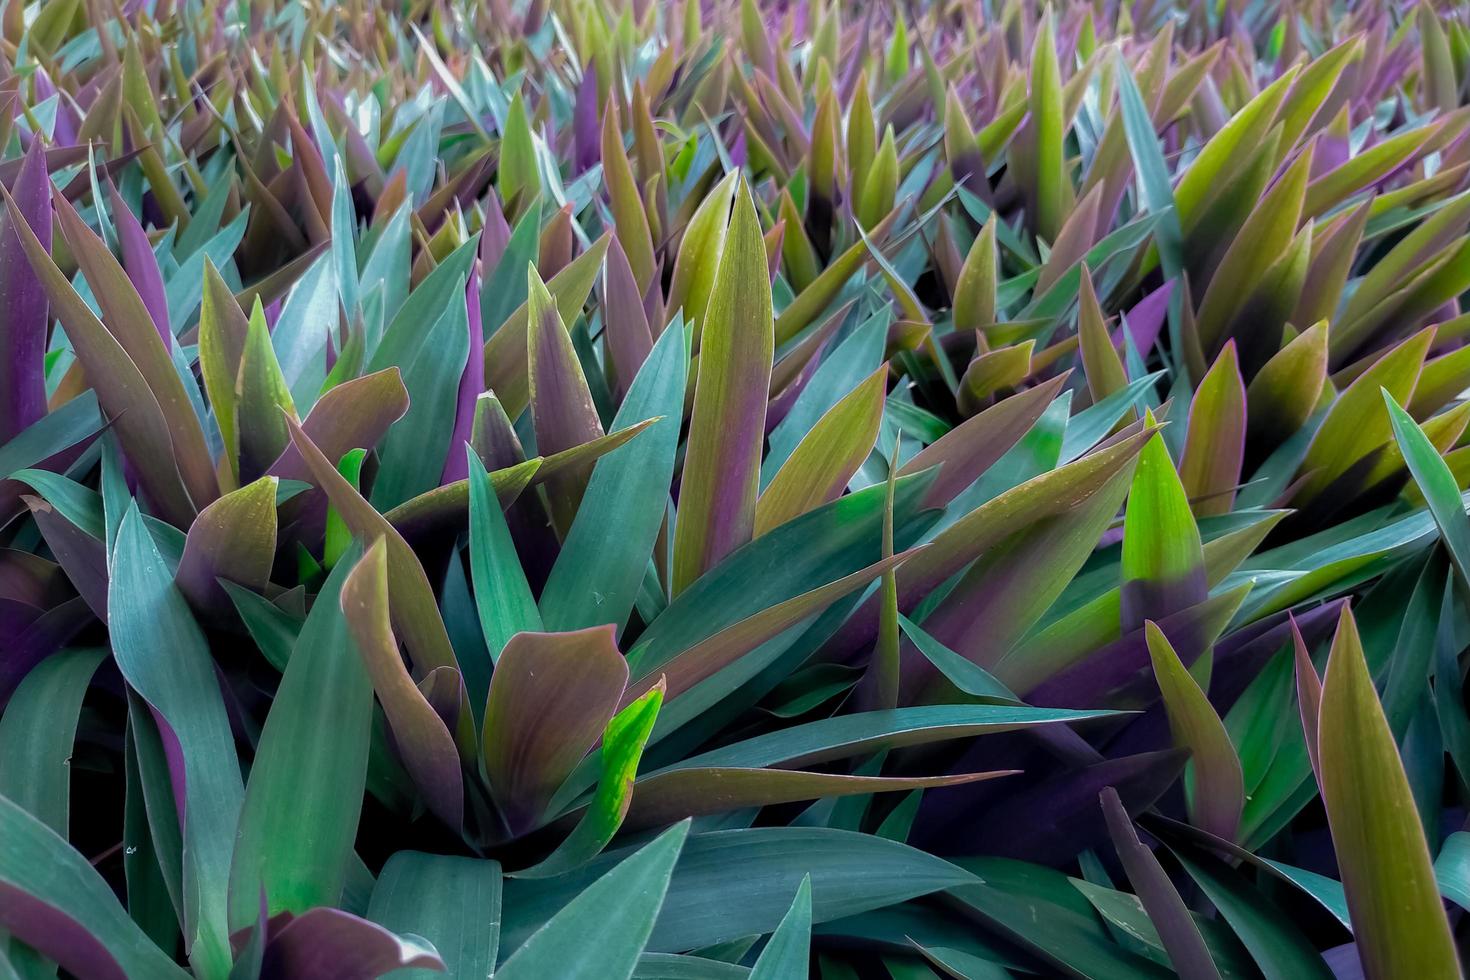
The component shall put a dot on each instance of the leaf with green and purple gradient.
(425, 743)
(717, 499)
(551, 696)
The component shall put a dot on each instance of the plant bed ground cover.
(605, 489)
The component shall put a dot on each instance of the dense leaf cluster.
(714, 490)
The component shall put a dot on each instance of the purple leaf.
(332, 943)
(23, 327)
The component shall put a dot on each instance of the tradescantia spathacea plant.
(605, 489)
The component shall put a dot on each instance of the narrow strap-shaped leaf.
(427, 747)
(37, 732)
(1356, 424)
(304, 797)
(1008, 589)
(974, 296)
(666, 797)
(1167, 911)
(1309, 695)
(1265, 237)
(698, 261)
(414, 610)
(23, 328)
(164, 656)
(561, 403)
(415, 448)
(122, 392)
(505, 350)
(786, 954)
(722, 461)
(1441, 490)
(1100, 360)
(518, 177)
(128, 320)
(503, 598)
(629, 217)
(966, 452)
(625, 322)
(822, 463)
(53, 899)
(600, 933)
(1214, 446)
(551, 696)
(264, 400)
(1284, 393)
(223, 327)
(881, 680)
(1216, 792)
(1163, 560)
(1051, 186)
(1382, 856)
(1274, 941)
(454, 902)
(597, 575)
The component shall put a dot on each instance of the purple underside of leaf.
(141, 265)
(1052, 818)
(325, 941)
(23, 327)
(1108, 670)
(52, 630)
(56, 934)
(1146, 319)
(471, 384)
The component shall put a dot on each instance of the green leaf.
(1051, 194)
(518, 176)
(505, 350)
(304, 796)
(1356, 423)
(597, 575)
(732, 884)
(164, 656)
(1153, 175)
(1214, 446)
(1441, 490)
(969, 678)
(264, 400)
(1163, 561)
(1278, 947)
(849, 735)
(431, 358)
(786, 954)
(698, 261)
(37, 732)
(39, 863)
(1383, 858)
(600, 933)
(622, 747)
(454, 902)
(502, 597)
